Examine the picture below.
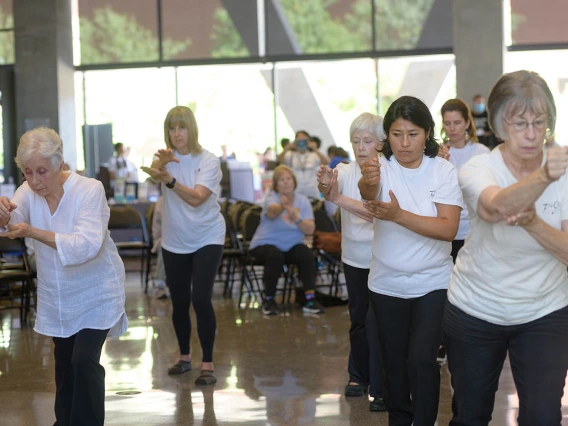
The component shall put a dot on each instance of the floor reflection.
(285, 370)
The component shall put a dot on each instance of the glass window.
(206, 29)
(6, 14)
(407, 76)
(550, 64)
(537, 22)
(233, 105)
(6, 32)
(324, 97)
(135, 101)
(114, 31)
(315, 26)
(401, 23)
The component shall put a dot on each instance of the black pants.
(365, 362)
(79, 379)
(538, 353)
(409, 336)
(190, 277)
(456, 246)
(274, 261)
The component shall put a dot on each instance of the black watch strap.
(171, 184)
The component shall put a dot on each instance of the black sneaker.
(269, 307)
(378, 405)
(312, 306)
(442, 358)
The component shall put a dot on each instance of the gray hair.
(371, 123)
(516, 93)
(40, 141)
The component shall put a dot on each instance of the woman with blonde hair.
(287, 217)
(193, 234)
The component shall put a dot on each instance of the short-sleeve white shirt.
(81, 284)
(458, 157)
(502, 274)
(186, 229)
(406, 264)
(356, 233)
(305, 168)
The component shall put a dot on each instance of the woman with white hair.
(508, 293)
(341, 188)
(80, 274)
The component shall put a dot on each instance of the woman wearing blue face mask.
(481, 122)
(304, 158)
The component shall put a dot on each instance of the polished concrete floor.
(286, 370)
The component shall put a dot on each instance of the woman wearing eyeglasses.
(508, 293)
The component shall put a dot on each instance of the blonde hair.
(184, 116)
(40, 141)
(279, 171)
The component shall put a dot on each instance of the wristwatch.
(171, 184)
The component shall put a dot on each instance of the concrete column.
(44, 71)
(479, 45)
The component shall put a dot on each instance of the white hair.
(40, 141)
(368, 122)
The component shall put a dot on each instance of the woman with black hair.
(415, 200)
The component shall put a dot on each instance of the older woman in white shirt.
(508, 294)
(341, 188)
(80, 274)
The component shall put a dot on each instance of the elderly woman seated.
(287, 218)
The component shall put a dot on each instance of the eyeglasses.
(521, 125)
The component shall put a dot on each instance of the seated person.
(287, 217)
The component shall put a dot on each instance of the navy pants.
(538, 353)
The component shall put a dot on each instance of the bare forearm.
(307, 227)
(274, 210)
(518, 197)
(368, 192)
(354, 207)
(45, 237)
(438, 228)
(553, 240)
(189, 195)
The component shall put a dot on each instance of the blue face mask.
(479, 108)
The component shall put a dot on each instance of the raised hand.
(324, 175)
(523, 218)
(166, 156)
(371, 171)
(556, 162)
(17, 230)
(157, 175)
(285, 201)
(333, 190)
(384, 210)
(444, 152)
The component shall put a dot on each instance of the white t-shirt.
(305, 168)
(186, 229)
(458, 157)
(404, 263)
(502, 274)
(356, 233)
(81, 284)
